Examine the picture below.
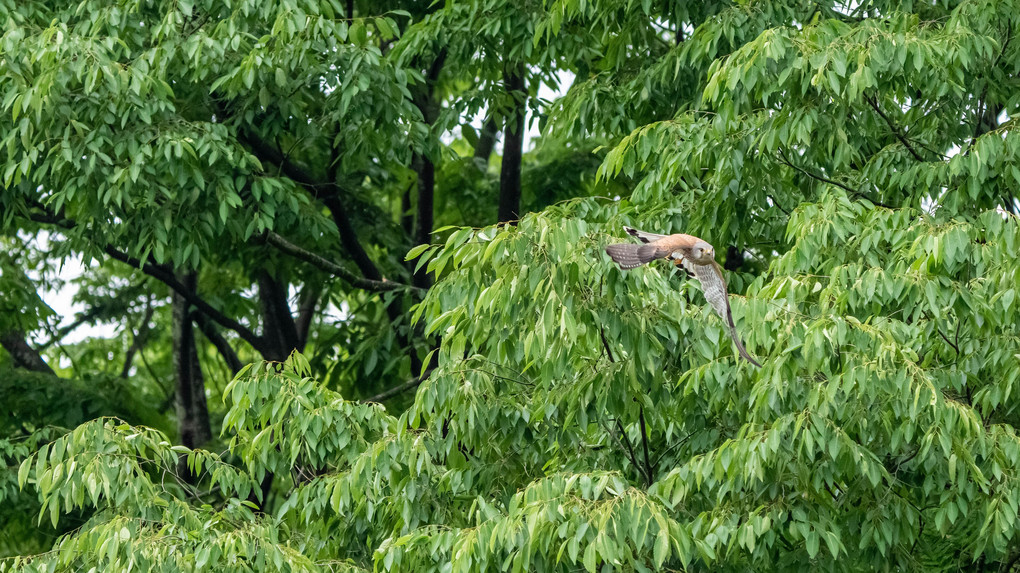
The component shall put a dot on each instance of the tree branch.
(216, 338)
(644, 443)
(22, 353)
(893, 127)
(330, 267)
(824, 179)
(137, 340)
(63, 331)
(167, 278)
(399, 389)
(326, 191)
(605, 344)
(624, 440)
(161, 274)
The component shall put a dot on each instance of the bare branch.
(161, 274)
(892, 126)
(399, 389)
(330, 267)
(328, 192)
(823, 179)
(167, 278)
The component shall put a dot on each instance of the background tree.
(258, 172)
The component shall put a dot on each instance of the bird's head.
(702, 251)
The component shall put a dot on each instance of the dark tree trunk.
(406, 215)
(486, 142)
(278, 327)
(424, 165)
(192, 412)
(513, 146)
(22, 353)
(308, 300)
(423, 225)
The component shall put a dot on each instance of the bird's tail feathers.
(630, 256)
(740, 347)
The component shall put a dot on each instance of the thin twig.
(824, 179)
(893, 127)
(624, 440)
(332, 268)
(399, 389)
(644, 443)
(821, 178)
(161, 274)
(605, 343)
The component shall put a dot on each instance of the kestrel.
(696, 255)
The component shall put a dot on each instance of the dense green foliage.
(855, 166)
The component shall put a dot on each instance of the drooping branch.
(398, 389)
(785, 161)
(329, 192)
(22, 353)
(228, 353)
(816, 176)
(166, 277)
(893, 127)
(330, 267)
(163, 275)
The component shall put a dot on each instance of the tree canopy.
(350, 261)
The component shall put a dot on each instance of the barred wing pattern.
(630, 256)
(713, 285)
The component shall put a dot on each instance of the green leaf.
(416, 251)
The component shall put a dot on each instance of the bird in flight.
(696, 256)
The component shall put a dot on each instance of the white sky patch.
(60, 297)
(531, 131)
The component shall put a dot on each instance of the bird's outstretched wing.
(714, 286)
(655, 246)
(629, 255)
